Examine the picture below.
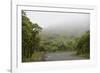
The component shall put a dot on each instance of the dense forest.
(35, 43)
(30, 37)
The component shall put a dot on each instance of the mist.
(61, 23)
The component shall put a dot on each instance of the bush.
(83, 46)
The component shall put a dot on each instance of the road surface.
(62, 56)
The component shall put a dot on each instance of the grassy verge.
(84, 55)
(36, 56)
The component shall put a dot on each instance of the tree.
(83, 46)
(30, 37)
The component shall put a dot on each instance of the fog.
(67, 23)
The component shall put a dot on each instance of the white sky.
(53, 20)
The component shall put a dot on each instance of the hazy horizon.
(67, 23)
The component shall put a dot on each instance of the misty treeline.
(35, 44)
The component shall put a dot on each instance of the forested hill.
(65, 32)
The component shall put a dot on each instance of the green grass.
(36, 56)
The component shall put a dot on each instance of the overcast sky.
(60, 22)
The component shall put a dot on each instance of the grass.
(85, 55)
(36, 56)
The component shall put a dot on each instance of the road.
(61, 56)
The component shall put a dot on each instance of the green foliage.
(83, 46)
(36, 56)
(30, 37)
(53, 43)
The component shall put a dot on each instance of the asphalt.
(62, 56)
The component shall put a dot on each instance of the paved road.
(61, 56)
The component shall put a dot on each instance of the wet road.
(62, 56)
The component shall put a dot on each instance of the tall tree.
(30, 37)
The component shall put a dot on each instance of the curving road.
(61, 56)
